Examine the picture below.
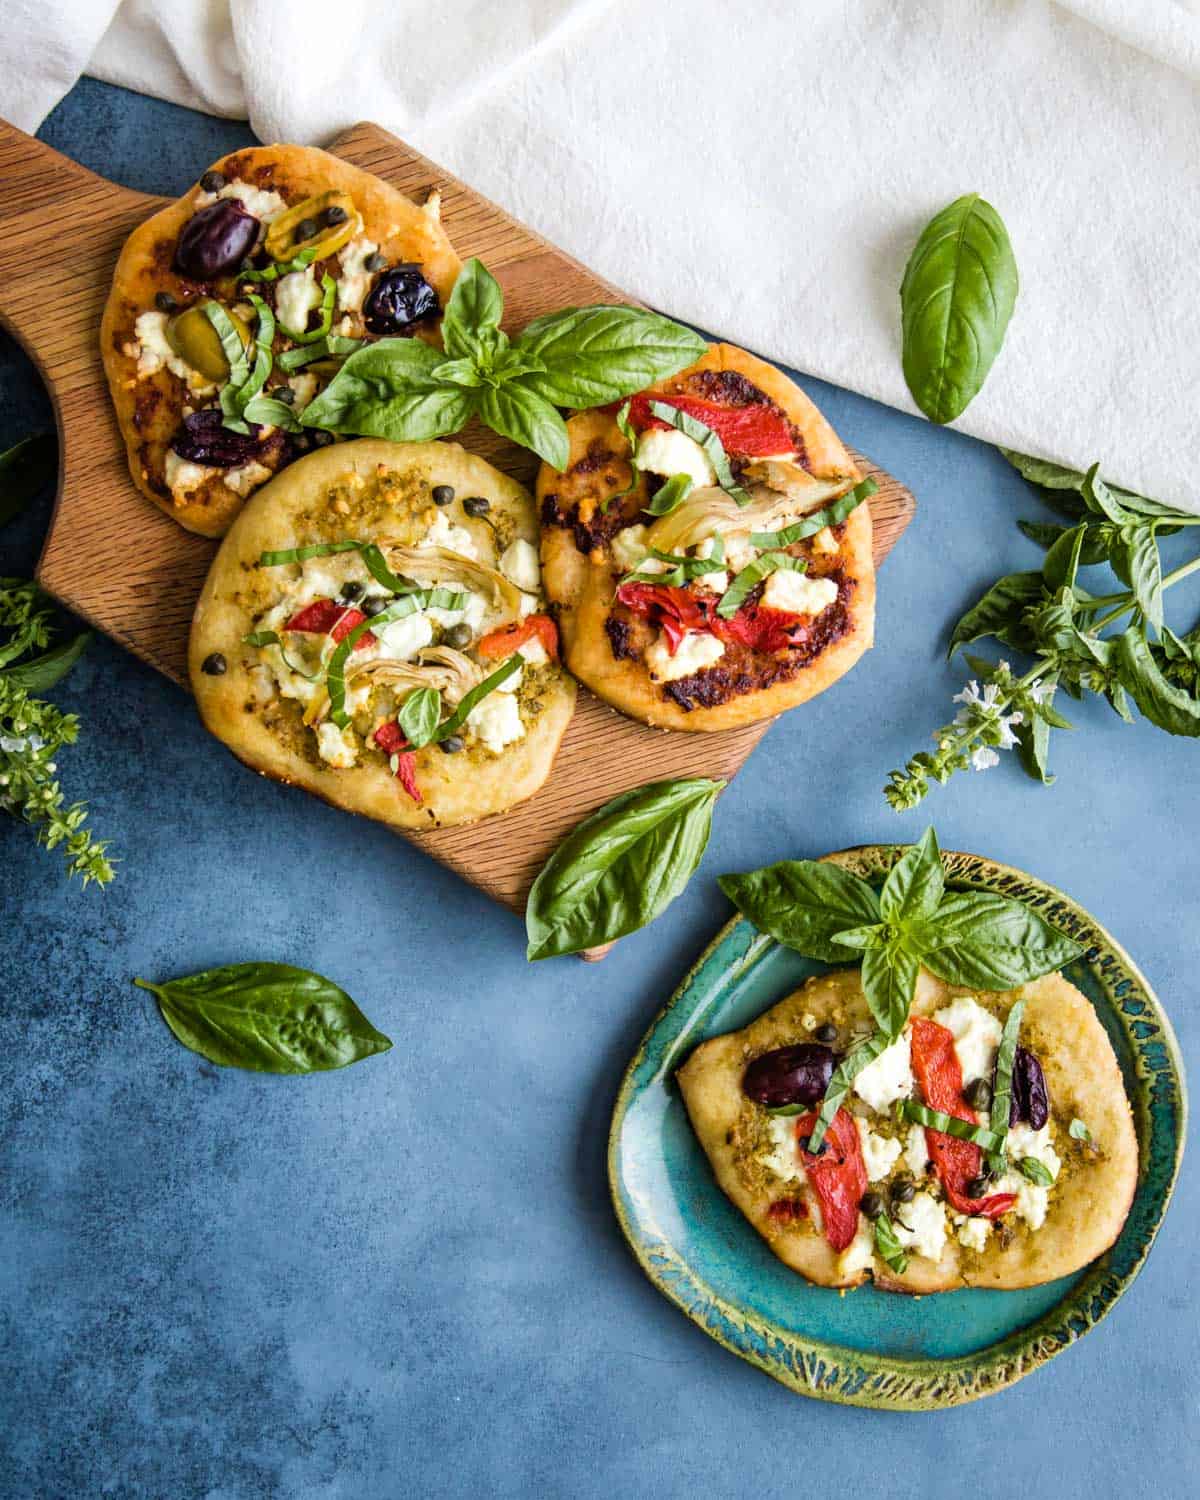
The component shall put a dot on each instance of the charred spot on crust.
(788, 1210)
(593, 520)
(242, 167)
(619, 632)
(145, 407)
(726, 388)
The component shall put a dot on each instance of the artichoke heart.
(708, 511)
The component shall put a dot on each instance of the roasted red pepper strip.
(838, 1176)
(938, 1072)
(759, 627)
(391, 740)
(745, 431)
(510, 638)
(328, 617)
(677, 610)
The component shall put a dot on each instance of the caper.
(459, 636)
(283, 393)
(904, 1190)
(977, 1187)
(476, 505)
(452, 744)
(978, 1093)
(373, 604)
(351, 591)
(806, 1145)
(214, 665)
(376, 262)
(213, 182)
(165, 302)
(443, 494)
(334, 214)
(871, 1204)
(827, 1032)
(305, 230)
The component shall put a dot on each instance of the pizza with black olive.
(1054, 1200)
(373, 629)
(707, 548)
(232, 307)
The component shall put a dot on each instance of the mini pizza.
(707, 548)
(231, 308)
(373, 630)
(954, 1217)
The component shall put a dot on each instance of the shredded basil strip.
(752, 575)
(1002, 1088)
(319, 333)
(682, 569)
(671, 496)
(334, 346)
(1036, 1171)
(963, 1130)
(231, 342)
(272, 638)
(831, 515)
(701, 433)
(335, 677)
(480, 691)
(302, 554)
(843, 1076)
(888, 1246)
(272, 272)
(625, 427)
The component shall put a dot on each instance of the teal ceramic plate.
(866, 1347)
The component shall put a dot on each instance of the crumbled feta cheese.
(497, 721)
(444, 533)
(337, 746)
(916, 1150)
(670, 452)
(246, 478)
(519, 564)
(183, 477)
(154, 351)
(784, 1157)
(739, 552)
(976, 1035)
(261, 202)
(629, 548)
(403, 638)
(305, 387)
(858, 1254)
(529, 605)
(1024, 1141)
(1032, 1202)
(798, 594)
(888, 1078)
(973, 1233)
(718, 582)
(355, 278)
(512, 682)
(534, 653)
(295, 296)
(879, 1152)
(920, 1226)
(697, 651)
(824, 542)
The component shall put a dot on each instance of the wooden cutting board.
(131, 572)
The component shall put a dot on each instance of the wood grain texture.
(131, 572)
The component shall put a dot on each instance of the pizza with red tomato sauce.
(708, 548)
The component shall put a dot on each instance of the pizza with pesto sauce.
(374, 629)
(916, 1208)
(708, 548)
(231, 308)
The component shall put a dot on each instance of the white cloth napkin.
(763, 169)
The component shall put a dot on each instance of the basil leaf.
(270, 412)
(858, 1058)
(1099, 499)
(962, 1130)
(418, 716)
(752, 575)
(593, 355)
(670, 495)
(302, 554)
(1041, 471)
(1000, 613)
(701, 433)
(983, 941)
(231, 342)
(682, 570)
(1002, 1086)
(888, 1247)
(889, 981)
(1033, 745)
(26, 468)
(520, 414)
(788, 1110)
(958, 293)
(1061, 563)
(1135, 560)
(478, 693)
(475, 308)
(874, 935)
(458, 372)
(1095, 540)
(1078, 1131)
(1030, 1167)
(625, 428)
(621, 867)
(269, 1018)
(386, 390)
(915, 884)
(1171, 708)
(376, 565)
(803, 903)
(40, 674)
(830, 515)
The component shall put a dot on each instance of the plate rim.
(833, 1372)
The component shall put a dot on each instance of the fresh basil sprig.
(332, 346)
(916, 1113)
(957, 296)
(752, 575)
(620, 868)
(888, 1246)
(829, 515)
(405, 390)
(268, 1018)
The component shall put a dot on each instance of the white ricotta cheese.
(798, 594)
(920, 1226)
(858, 1254)
(337, 746)
(402, 639)
(261, 202)
(696, 651)
(973, 1233)
(628, 548)
(784, 1157)
(670, 452)
(880, 1152)
(183, 477)
(1024, 1141)
(497, 721)
(295, 296)
(916, 1151)
(888, 1078)
(519, 564)
(355, 278)
(976, 1035)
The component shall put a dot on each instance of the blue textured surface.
(406, 1279)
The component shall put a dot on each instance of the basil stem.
(335, 677)
(830, 515)
(962, 1130)
(1002, 1087)
(480, 691)
(1035, 1171)
(844, 1075)
(888, 1246)
(329, 290)
(701, 433)
(752, 575)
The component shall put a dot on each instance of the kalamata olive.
(827, 1033)
(459, 636)
(373, 604)
(375, 262)
(871, 1204)
(334, 214)
(351, 591)
(216, 240)
(977, 1187)
(452, 744)
(398, 300)
(978, 1094)
(1030, 1097)
(443, 494)
(165, 302)
(904, 1190)
(213, 181)
(214, 665)
(477, 505)
(789, 1075)
(204, 440)
(193, 337)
